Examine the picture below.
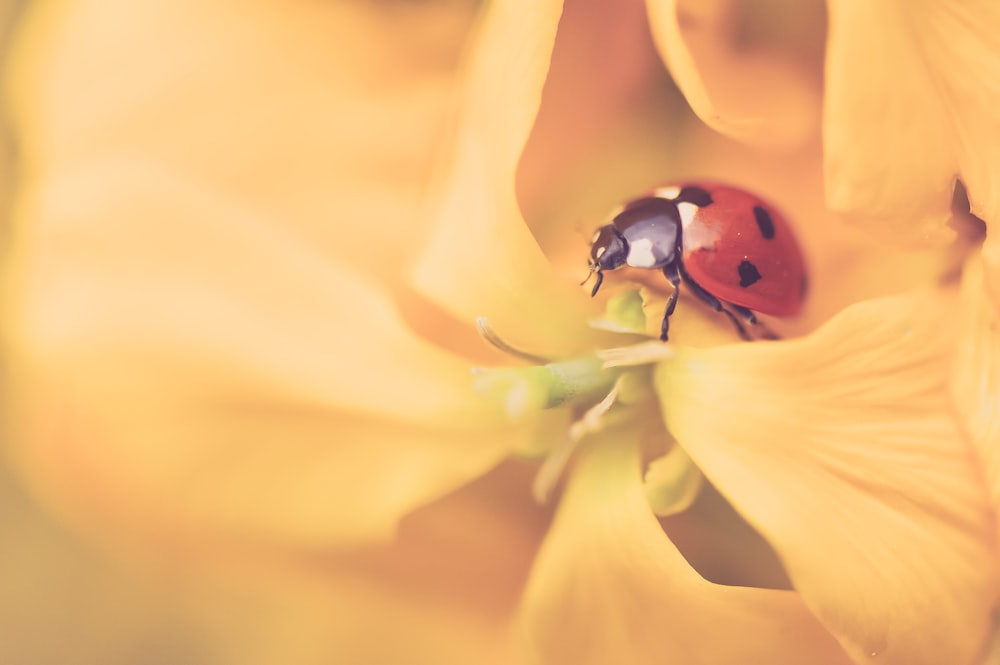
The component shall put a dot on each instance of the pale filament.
(591, 422)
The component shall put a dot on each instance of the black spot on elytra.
(696, 195)
(764, 222)
(749, 275)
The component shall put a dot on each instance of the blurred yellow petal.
(325, 115)
(609, 587)
(743, 90)
(911, 97)
(218, 202)
(481, 258)
(181, 348)
(446, 588)
(594, 107)
(256, 606)
(841, 449)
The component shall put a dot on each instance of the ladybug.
(735, 252)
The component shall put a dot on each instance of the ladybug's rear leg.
(748, 316)
(716, 304)
(673, 275)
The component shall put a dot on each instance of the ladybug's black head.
(608, 251)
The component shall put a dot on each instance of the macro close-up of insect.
(732, 250)
(298, 366)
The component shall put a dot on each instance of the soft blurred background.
(65, 601)
(73, 597)
(84, 579)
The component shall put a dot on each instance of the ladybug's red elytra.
(734, 251)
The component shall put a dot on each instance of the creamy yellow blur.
(248, 245)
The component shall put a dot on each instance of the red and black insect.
(731, 249)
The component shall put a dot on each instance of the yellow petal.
(976, 379)
(911, 98)
(840, 448)
(481, 259)
(745, 90)
(176, 352)
(609, 587)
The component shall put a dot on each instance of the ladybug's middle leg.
(716, 304)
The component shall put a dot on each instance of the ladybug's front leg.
(673, 275)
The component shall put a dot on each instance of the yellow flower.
(236, 325)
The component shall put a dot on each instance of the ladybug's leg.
(745, 314)
(673, 275)
(749, 317)
(740, 330)
(716, 304)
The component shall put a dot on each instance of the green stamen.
(672, 482)
(526, 389)
(623, 314)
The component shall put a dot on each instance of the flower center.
(599, 389)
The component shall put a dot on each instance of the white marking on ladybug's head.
(686, 211)
(669, 193)
(599, 252)
(640, 253)
(597, 234)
